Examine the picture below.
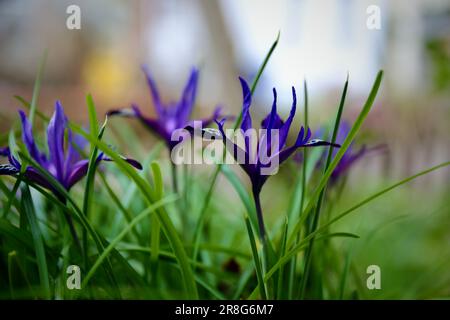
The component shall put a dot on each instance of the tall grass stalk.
(308, 254)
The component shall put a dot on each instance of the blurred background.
(321, 41)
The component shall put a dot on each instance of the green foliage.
(134, 244)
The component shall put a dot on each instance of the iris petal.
(284, 130)
(152, 124)
(132, 162)
(247, 97)
(186, 104)
(273, 123)
(237, 152)
(4, 152)
(33, 175)
(28, 140)
(153, 91)
(302, 141)
(278, 123)
(77, 172)
(72, 153)
(55, 137)
(7, 169)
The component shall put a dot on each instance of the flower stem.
(262, 231)
(262, 228)
(73, 231)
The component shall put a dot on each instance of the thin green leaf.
(324, 227)
(155, 225)
(79, 216)
(20, 236)
(28, 208)
(93, 122)
(295, 250)
(151, 209)
(37, 88)
(150, 196)
(257, 261)
(92, 166)
(309, 251)
(354, 130)
(281, 283)
(10, 196)
(242, 193)
(158, 180)
(210, 289)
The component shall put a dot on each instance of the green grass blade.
(151, 209)
(11, 256)
(309, 251)
(125, 212)
(281, 284)
(90, 176)
(28, 208)
(323, 228)
(354, 130)
(262, 67)
(157, 179)
(303, 244)
(302, 184)
(37, 88)
(18, 235)
(79, 214)
(256, 259)
(210, 289)
(150, 196)
(243, 281)
(305, 151)
(145, 189)
(155, 225)
(15, 269)
(132, 189)
(242, 193)
(11, 196)
(93, 121)
(295, 250)
(344, 276)
(378, 194)
(314, 155)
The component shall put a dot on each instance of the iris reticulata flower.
(270, 147)
(64, 161)
(171, 116)
(351, 156)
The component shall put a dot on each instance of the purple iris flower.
(266, 150)
(171, 116)
(66, 165)
(350, 157)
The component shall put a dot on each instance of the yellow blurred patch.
(107, 74)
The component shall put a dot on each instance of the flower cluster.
(257, 157)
